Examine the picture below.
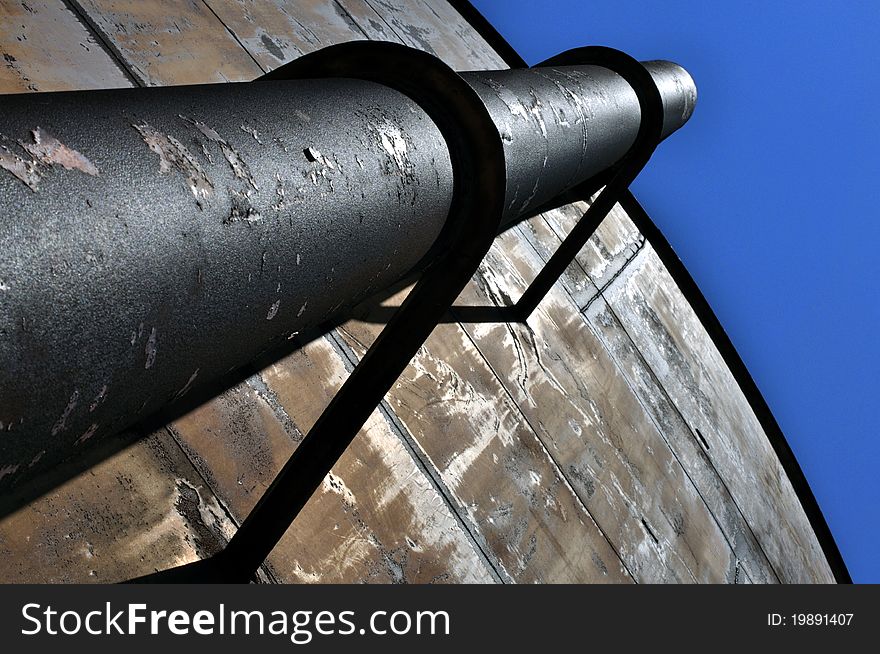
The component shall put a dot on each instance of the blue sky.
(769, 195)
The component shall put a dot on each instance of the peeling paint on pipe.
(562, 125)
(227, 217)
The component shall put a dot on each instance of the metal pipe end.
(678, 90)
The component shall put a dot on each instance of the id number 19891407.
(810, 619)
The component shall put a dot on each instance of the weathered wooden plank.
(680, 353)
(44, 47)
(167, 42)
(143, 509)
(608, 251)
(377, 516)
(468, 429)
(238, 442)
(544, 239)
(682, 440)
(435, 27)
(368, 21)
(614, 243)
(275, 32)
(571, 392)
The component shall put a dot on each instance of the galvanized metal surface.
(280, 394)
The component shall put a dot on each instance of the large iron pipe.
(562, 125)
(155, 239)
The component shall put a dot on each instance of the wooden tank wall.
(604, 441)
